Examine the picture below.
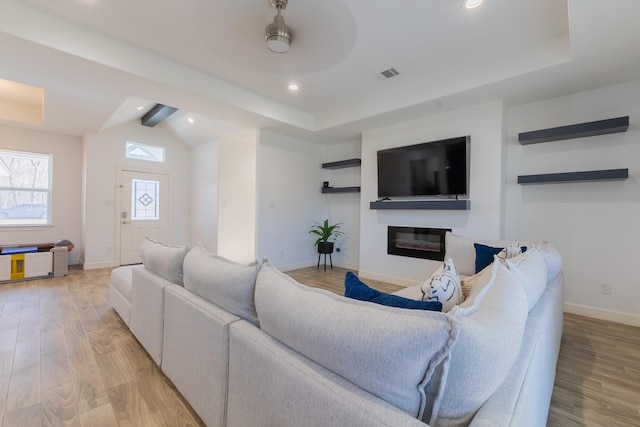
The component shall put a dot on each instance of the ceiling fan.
(278, 34)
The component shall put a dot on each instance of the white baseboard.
(305, 264)
(350, 267)
(293, 266)
(95, 265)
(602, 314)
(386, 278)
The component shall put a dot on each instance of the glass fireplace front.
(426, 243)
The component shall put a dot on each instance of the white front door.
(145, 202)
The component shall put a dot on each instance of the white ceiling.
(98, 60)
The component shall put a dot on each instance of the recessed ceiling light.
(190, 120)
(293, 87)
(470, 4)
(140, 108)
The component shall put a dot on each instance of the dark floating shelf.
(340, 189)
(599, 175)
(454, 205)
(342, 164)
(580, 130)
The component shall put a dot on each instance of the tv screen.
(438, 168)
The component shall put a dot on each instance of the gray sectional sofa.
(247, 345)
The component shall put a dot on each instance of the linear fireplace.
(426, 243)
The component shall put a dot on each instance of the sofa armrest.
(271, 385)
(195, 353)
(525, 395)
(147, 309)
(120, 290)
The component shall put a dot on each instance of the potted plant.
(326, 235)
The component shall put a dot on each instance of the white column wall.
(237, 189)
(203, 226)
(345, 207)
(289, 199)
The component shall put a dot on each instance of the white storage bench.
(24, 262)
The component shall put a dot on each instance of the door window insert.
(145, 199)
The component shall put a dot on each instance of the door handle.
(126, 222)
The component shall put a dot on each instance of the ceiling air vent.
(391, 72)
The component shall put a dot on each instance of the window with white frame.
(25, 188)
(150, 153)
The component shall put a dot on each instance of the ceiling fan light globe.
(278, 46)
(471, 4)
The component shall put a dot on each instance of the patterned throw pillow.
(444, 287)
(513, 250)
(467, 283)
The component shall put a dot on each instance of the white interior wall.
(345, 207)
(104, 155)
(66, 188)
(203, 226)
(289, 199)
(484, 124)
(237, 195)
(595, 225)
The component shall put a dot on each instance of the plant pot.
(325, 247)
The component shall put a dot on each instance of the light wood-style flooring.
(598, 374)
(67, 359)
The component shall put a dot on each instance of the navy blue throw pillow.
(484, 255)
(356, 289)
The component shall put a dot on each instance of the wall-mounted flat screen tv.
(438, 168)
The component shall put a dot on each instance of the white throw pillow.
(531, 272)
(444, 286)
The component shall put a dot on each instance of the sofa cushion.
(463, 253)
(356, 289)
(225, 283)
(390, 352)
(122, 280)
(552, 258)
(531, 270)
(491, 328)
(444, 286)
(163, 259)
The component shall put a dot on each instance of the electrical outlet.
(605, 288)
(109, 249)
(281, 254)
